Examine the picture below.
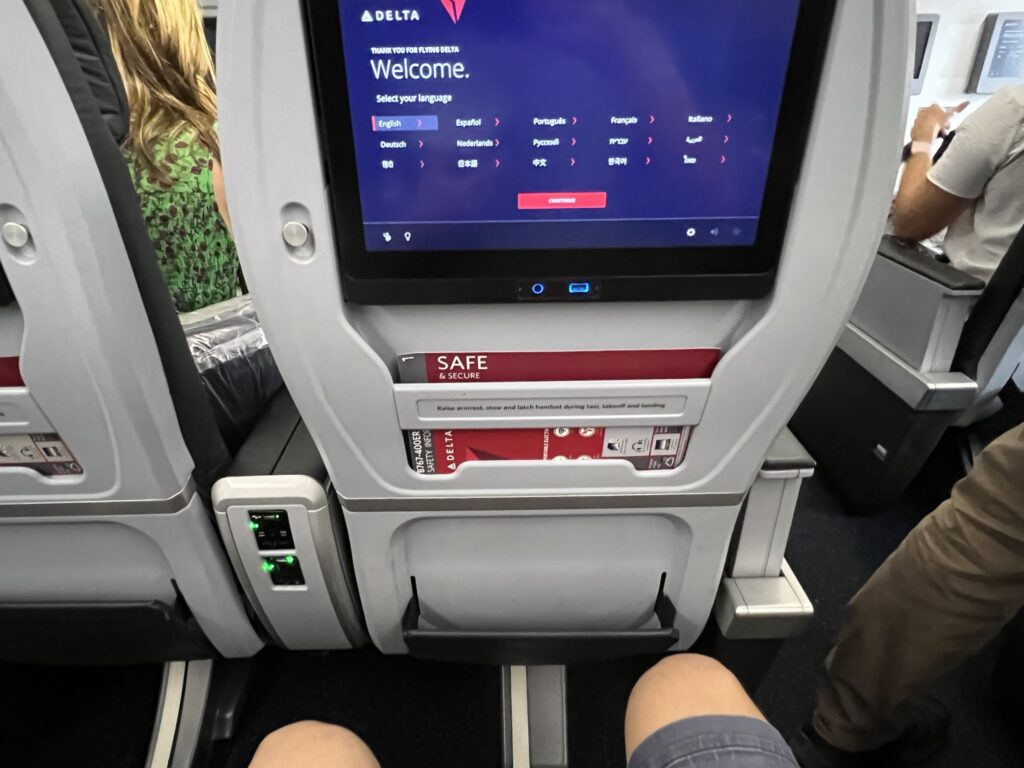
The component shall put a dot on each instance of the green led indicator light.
(253, 526)
(267, 567)
(289, 559)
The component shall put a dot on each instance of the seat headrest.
(91, 47)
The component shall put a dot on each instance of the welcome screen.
(539, 124)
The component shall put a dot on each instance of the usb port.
(271, 529)
(579, 287)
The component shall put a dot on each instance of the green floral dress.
(193, 246)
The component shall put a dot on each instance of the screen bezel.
(979, 82)
(431, 277)
(932, 20)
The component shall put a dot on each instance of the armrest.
(922, 391)
(279, 444)
(787, 454)
(759, 544)
(762, 608)
(924, 261)
(914, 305)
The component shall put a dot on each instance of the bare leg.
(310, 744)
(682, 686)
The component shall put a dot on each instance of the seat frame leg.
(535, 724)
(179, 715)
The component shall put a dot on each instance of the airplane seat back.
(97, 94)
(927, 347)
(109, 550)
(527, 560)
(990, 348)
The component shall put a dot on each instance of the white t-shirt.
(984, 163)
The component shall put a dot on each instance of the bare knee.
(313, 744)
(682, 686)
(692, 685)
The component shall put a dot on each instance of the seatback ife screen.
(551, 124)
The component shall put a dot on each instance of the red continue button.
(533, 201)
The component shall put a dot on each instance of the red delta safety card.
(600, 365)
(441, 452)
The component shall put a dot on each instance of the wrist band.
(921, 148)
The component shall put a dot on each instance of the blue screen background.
(589, 60)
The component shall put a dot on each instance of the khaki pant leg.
(946, 591)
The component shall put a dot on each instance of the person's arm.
(220, 194)
(922, 208)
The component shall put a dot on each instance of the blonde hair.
(167, 70)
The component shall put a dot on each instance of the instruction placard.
(546, 407)
(46, 453)
(441, 452)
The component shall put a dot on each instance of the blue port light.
(579, 287)
(537, 288)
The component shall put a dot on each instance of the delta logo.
(453, 8)
(405, 14)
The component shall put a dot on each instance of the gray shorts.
(719, 741)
